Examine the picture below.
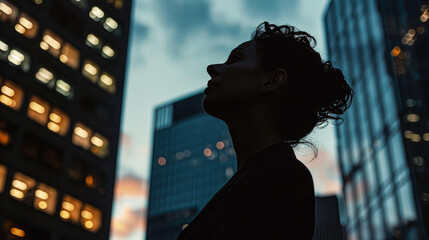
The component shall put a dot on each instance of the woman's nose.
(213, 70)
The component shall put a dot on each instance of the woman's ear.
(274, 80)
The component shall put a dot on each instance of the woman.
(271, 92)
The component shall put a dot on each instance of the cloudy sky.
(171, 44)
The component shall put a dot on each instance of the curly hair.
(320, 88)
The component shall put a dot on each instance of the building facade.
(327, 219)
(192, 158)
(62, 68)
(381, 46)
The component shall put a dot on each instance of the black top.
(270, 197)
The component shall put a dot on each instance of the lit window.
(110, 24)
(8, 12)
(6, 132)
(58, 122)
(96, 13)
(90, 70)
(51, 43)
(92, 40)
(45, 198)
(3, 172)
(19, 59)
(38, 110)
(26, 26)
(63, 87)
(22, 186)
(70, 56)
(11, 95)
(45, 76)
(118, 4)
(107, 82)
(38, 2)
(99, 145)
(3, 47)
(16, 232)
(107, 52)
(81, 136)
(70, 209)
(90, 218)
(81, 3)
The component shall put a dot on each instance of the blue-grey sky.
(171, 44)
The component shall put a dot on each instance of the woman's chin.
(211, 106)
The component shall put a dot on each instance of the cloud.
(131, 186)
(128, 222)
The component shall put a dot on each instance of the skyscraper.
(62, 68)
(192, 158)
(381, 46)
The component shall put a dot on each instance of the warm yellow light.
(184, 226)
(37, 107)
(426, 137)
(19, 184)
(44, 75)
(96, 13)
(111, 23)
(106, 79)
(86, 214)
(108, 51)
(395, 51)
(408, 133)
(220, 145)
(64, 214)
(53, 127)
(55, 117)
(89, 224)
(68, 206)
(64, 58)
(44, 46)
(38, 1)
(91, 69)
(97, 141)
(16, 57)
(63, 85)
(89, 180)
(3, 46)
(207, 152)
(6, 100)
(26, 23)
(8, 91)
(5, 8)
(413, 117)
(425, 16)
(43, 205)
(81, 132)
(17, 232)
(41, 194)
(16, 193)
(52, 42)
(415, 137)
(19, 28)
(91, 38)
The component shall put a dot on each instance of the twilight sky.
(171, 44)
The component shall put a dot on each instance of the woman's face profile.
(234, 84)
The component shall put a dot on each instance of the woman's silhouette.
(271, 92)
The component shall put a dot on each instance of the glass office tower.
(382, 48)
(62, 68)
(192, 158)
